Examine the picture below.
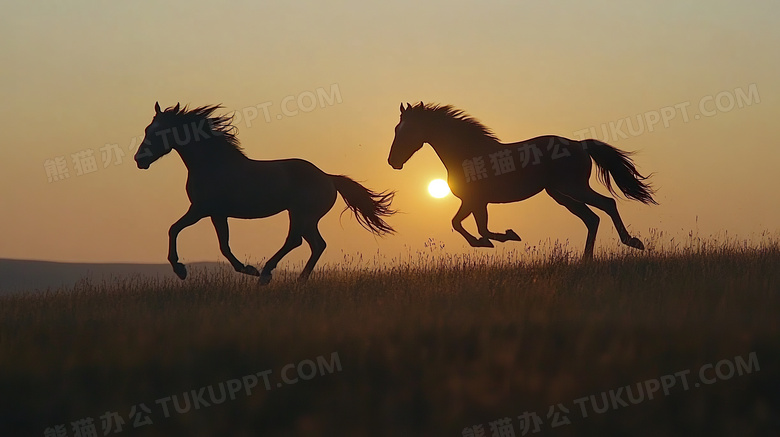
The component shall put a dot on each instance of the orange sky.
(79, 75)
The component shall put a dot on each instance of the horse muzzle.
(395, 166)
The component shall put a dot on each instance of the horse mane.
(221, 126)
(454, 119)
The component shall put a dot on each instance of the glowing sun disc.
(438, 188)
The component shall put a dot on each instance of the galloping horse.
(222, 182)
(482, 170)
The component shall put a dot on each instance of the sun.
(438, 188)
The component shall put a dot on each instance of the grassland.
(427, 345)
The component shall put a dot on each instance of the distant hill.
(17, 275)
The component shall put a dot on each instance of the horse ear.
(402, 108)
(157, 107)
(408, 106)
(176, 108)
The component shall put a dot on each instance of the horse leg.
(481, 218)
(317, 244)
(457, 224)
(188, 219)
(608, 205)
(582, 211)
(293, 240)
(223, 235)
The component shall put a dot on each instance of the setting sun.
(439, 188)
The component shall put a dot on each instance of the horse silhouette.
(482, 170)
(223, 182)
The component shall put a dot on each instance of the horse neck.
(453, 149)
(206, 154)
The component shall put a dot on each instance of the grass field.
(434, 345)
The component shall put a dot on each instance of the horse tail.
(368, 206)
(617, 163)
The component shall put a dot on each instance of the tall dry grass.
(429, 343)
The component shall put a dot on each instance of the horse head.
(157, 143)
(409, 137)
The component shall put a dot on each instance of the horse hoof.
(512, 235)
(482, 242)
(636, 243)
(250, 270)
(180, 270)
(264, 279)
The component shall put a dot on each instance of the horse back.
(260, 188)
(513, 172)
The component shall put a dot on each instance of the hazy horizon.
(323, 83)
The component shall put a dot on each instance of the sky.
(697, 80)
